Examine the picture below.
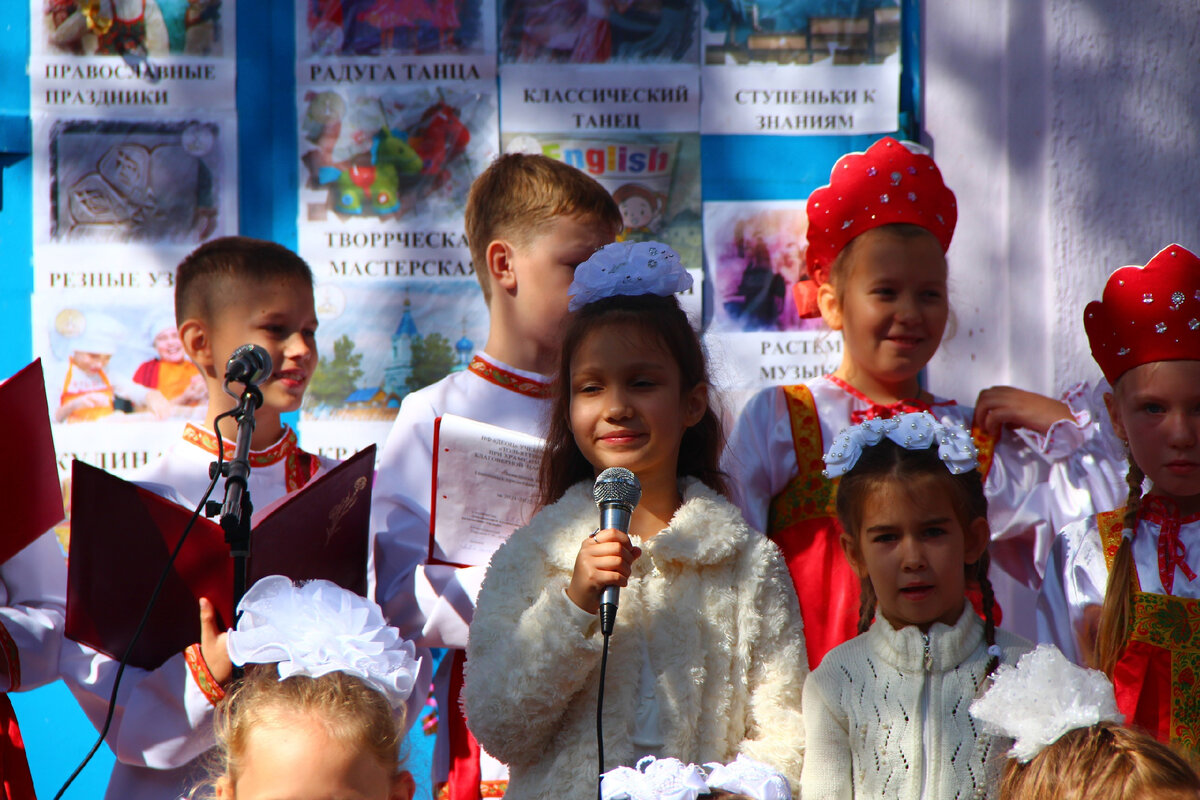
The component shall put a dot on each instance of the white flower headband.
(320, 628)
(628, 268)
(917, 430)
(1041, 698)
(671, 779)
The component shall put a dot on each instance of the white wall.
(1070, 132)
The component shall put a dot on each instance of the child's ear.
(978, 536)
(197, 344)
(695, 403)
(224, 787)
(403, 786)
(499, 263)
(830, 308)
(1114, 413)
(850, 548)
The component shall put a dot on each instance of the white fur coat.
(726, 644)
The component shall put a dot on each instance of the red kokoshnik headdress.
(885, 185)
(1147, 314)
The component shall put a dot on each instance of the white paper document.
(484, 488)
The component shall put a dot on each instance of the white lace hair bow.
(749, 777)
(1041, 698)
(628, 268)
(318, 628)
(916, 430)
(671, 779)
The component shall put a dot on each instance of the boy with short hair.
(530, 220)
(228, 292)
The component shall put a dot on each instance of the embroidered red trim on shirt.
(201, 674)
(12, 656)
(486, 789)
(207, 441)
(300, 469)
(509, 380)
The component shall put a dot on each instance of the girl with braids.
(1122, 592)
(885, 714)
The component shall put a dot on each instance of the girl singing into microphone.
(707, 658)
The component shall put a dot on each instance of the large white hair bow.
(749, 777)
(1041, 698)
(628, 268)
(671, 779)
(318, 628)
(916, 430)
(654, 779)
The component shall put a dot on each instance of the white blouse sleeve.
(162, 718)
(1038, 485)
(33, 611)
(1076, 577)
(760, 458)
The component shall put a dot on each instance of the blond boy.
(530, 220)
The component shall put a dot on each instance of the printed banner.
(587, 99)
(655, 179)
(132, 54)
(385, 28)
(598, 31)
(151, 181)
(378, 342)
(801, 67)
(764, 328)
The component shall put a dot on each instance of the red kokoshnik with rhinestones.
(1147, 314)
(886, 185)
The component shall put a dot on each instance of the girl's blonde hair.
(1103, 762)
(1117, 610)
(350, 710)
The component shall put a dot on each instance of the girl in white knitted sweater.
(885, 714)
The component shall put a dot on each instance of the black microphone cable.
(606, 632)
(162, 579)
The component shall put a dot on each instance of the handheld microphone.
(250, 364)
(616, 492)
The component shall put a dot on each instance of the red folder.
(28, 471)
(122, 535)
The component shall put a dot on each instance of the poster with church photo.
(377, 345)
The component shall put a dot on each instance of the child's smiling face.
(628, 407)
(891, 307)
(168, 345)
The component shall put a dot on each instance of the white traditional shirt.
(33, 599)
(1077, 574)
(1036, 484)
(430, 603)
(162, 723)
(885, 715)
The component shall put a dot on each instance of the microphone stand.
(236, 509)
